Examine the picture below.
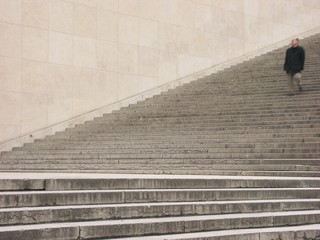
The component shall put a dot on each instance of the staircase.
(231, 156)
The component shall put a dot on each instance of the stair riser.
(194, 135)
(100, 164)
(271, 234)
(136, 183)
(98, 169)
(113, 197)
(144, 211)
(183, 149)
(226, 154)
(200, 162)
(226, 125)
(151, 228)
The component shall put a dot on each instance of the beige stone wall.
(62, 58)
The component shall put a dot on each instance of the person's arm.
(302, 57)
(285, 61)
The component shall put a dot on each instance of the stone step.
(270, 148)
(211, 132)
(277, 79)
(37, 215)
(262, 92)
(271, 85)
(166, 145)
(269, 81)
(218, 154)
(166, 164)
(134, 182)
(226, 113)
(260, 87)
(310, 232)
(155, 146)
(85, 197)
(156, 226)
(180, 137)
(256, 93)
(232, 128)
(277, 117)
(199, 95)
(210, 110)
(150, 126)
(84, 169)
(267, 85)
(154, 143)
(191, 162)
(219, 105)
(237, 136)
(247, 74)
(205, 119)
(160, 168)
(272, 80)
(270, 95)
(164, 167)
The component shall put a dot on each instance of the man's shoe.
(300, 88)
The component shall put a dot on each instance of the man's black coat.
(294, 62)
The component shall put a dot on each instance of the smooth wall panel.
(10, 40)
(10, 72)
(34, 112)
(10, 105)
(10, 11)
(63, 58)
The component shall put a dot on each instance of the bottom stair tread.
(310, 232)
(158, 226)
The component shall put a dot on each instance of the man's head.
(294, 42)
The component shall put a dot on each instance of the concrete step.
(116, 182)
(47, 148)
(152, 150)
(225, 113)
(242, 136)
(85, 197)
(136, 123)
(256, 101)
(219, 154)
(270, 84)
(104, 166)
(265, 92)
(37, 215)
(191, 162)
(310, 232)
(210, 132)
(156, 226)
(153, 143)
(206, 119)
(270, 95)
(85, 169)
(222, 128)
(162, 164)
(193, 120)
(123, 145)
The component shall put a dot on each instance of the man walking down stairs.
(228, 157)
(294, 63)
